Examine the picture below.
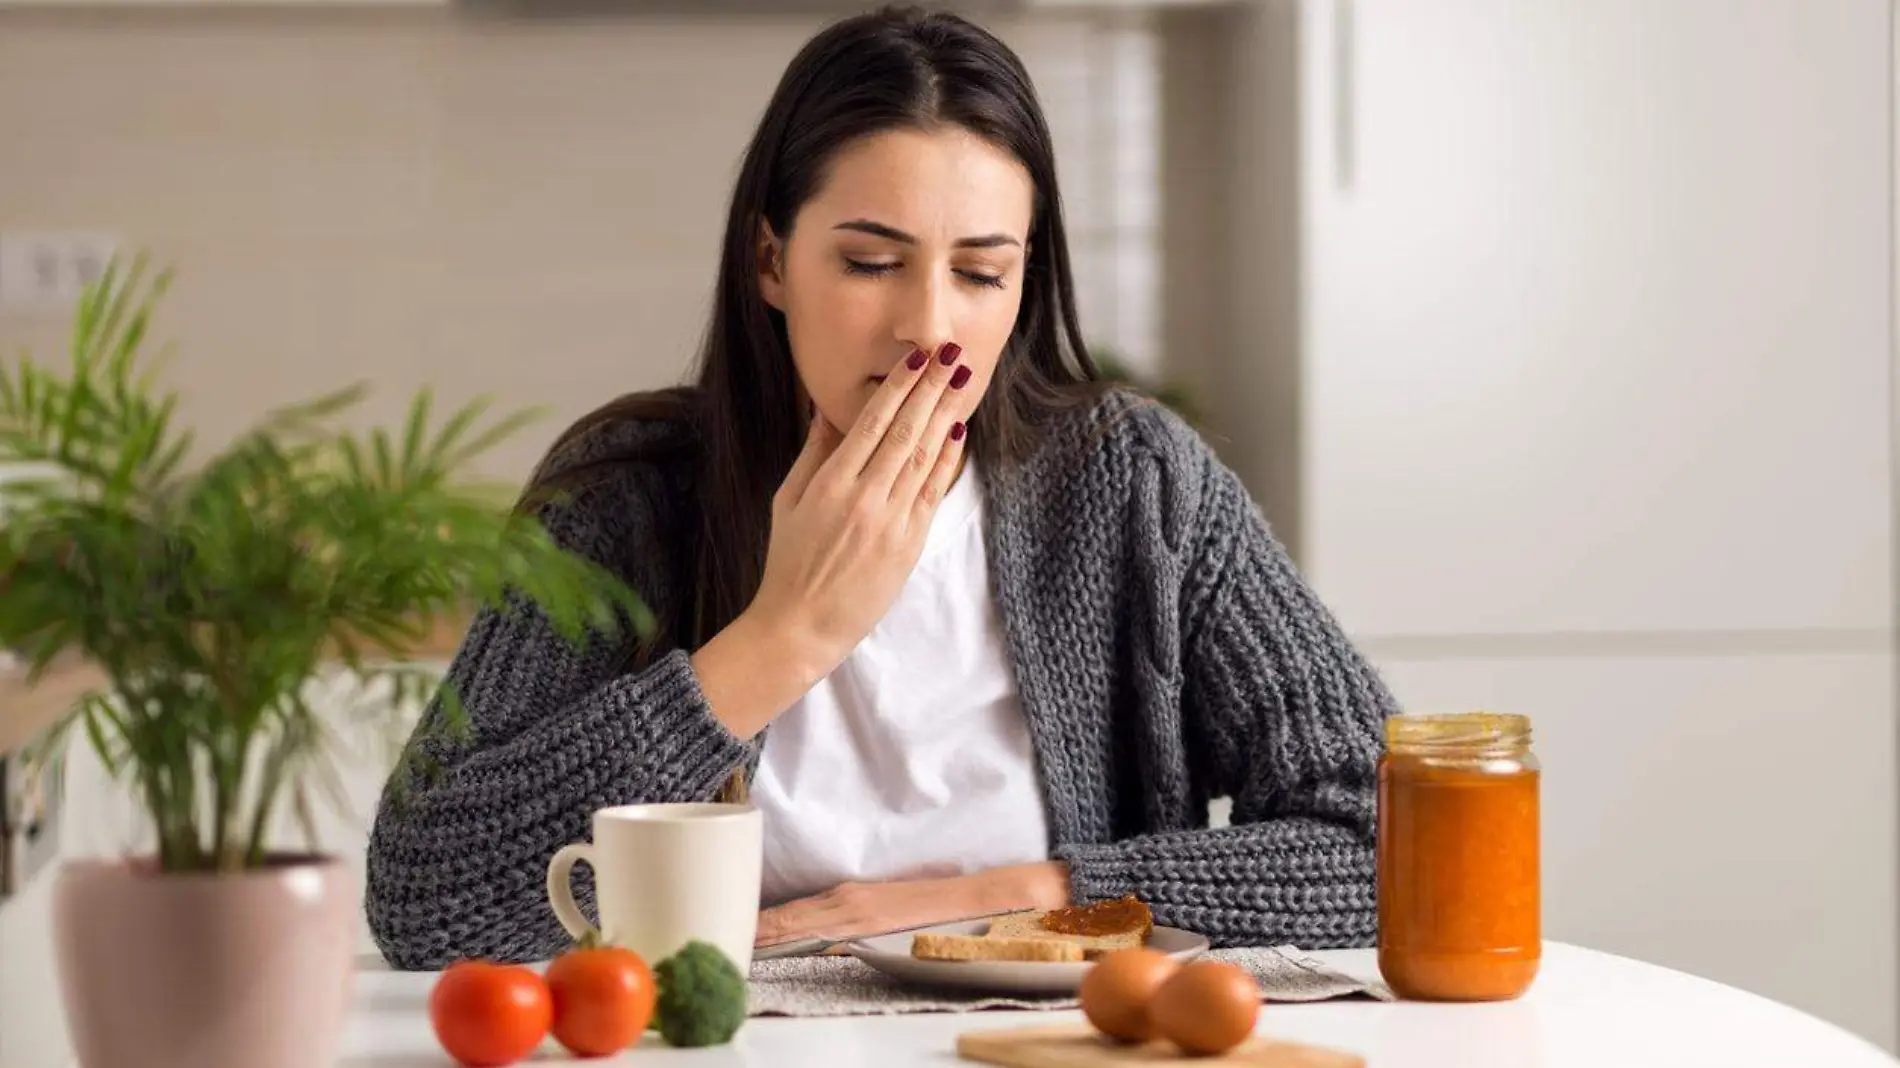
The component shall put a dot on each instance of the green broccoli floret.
(702, 996)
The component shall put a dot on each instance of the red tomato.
(487, 1015)
(603, 999)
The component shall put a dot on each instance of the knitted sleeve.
(457, 865)
(1281, 714)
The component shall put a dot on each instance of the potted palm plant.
(209, 594)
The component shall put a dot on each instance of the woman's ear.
(771, 267)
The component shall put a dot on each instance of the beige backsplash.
(402, 197)
(410, 197)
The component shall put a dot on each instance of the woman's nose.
(924, 321)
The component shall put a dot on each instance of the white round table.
(1587, 1009)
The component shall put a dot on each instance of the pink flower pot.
(247, 970)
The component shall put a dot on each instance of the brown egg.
(1117, 990)
(1206, 1007)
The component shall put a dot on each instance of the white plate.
(890, 954)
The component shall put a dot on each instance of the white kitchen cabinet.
(1595, 304)
(1733, 817)
(1588, 388)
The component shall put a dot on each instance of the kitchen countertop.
(1586, 1010)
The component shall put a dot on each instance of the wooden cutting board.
(1080, 1046)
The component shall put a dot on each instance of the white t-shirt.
(912, 758)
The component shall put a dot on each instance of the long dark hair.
(895, 68)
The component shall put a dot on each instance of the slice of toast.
(1027, 927)
(929, 946)
(1124, 923)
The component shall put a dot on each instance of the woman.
(966, 657)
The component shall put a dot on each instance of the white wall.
(1590, 383)
(409, 198)
(371, 195)
(530, 209)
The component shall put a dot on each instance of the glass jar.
(1459, 902)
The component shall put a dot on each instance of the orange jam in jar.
(1459, 902)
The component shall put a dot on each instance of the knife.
(818, 945)
(797, 947)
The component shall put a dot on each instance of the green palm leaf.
(213, 592)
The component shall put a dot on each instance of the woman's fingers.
(852, 910)
(922, 461)
(943, 474)
(775, 926)
(908, 441)
(806, 917)
(783, 923)
(861, 441)
(821, 440)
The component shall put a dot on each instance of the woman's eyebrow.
(878, 229)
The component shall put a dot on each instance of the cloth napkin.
(846, 986)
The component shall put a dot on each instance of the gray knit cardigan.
(1166, 650)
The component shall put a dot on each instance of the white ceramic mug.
(665, 875)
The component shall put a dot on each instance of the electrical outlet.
(29, 819)
(47, 270)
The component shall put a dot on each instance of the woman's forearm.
(1018, 887)
(756, 668)
(456, 856)
(1294, 880)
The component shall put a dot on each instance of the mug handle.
(561, 888)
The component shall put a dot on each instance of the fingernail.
(951, 350)
(961, 376)
(956, 429)
(917, 359)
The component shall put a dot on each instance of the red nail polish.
(917, 359)
(956, 429)
(961, 377)
(951, 350)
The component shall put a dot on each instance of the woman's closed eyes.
(876, 269)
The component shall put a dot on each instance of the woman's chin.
(844, 411)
